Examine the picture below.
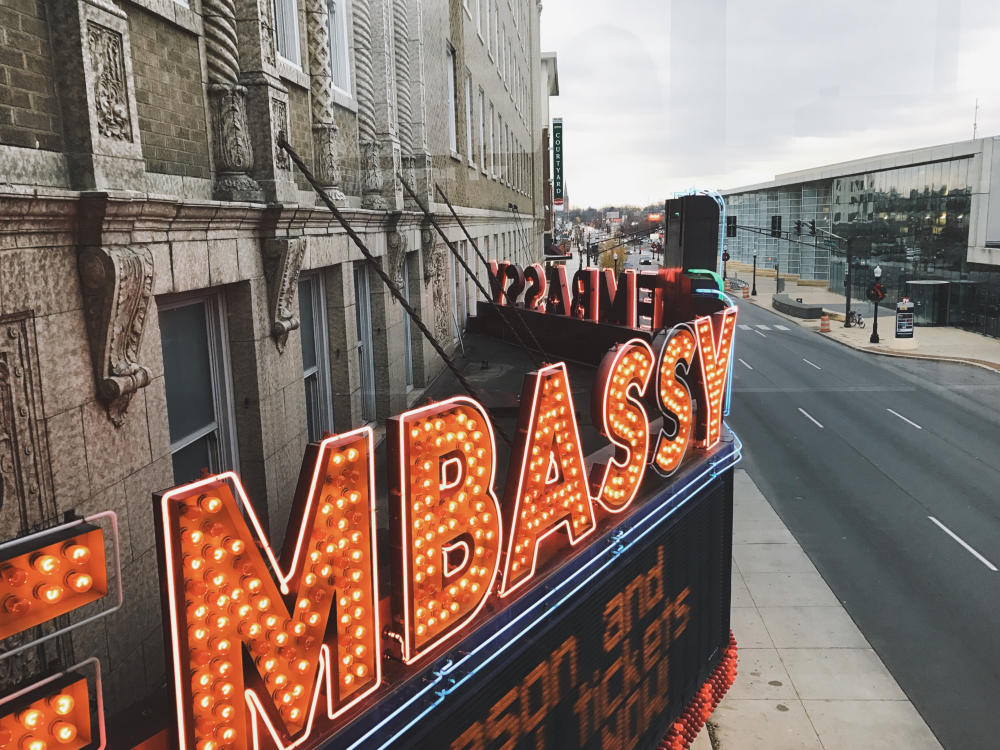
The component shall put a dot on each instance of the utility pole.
(975, 119)
(847, 286)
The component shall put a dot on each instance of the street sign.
(557, 161)
(904, 319)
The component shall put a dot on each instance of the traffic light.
(776, 226)
(812, 227)
(730, 226)
(798, 227)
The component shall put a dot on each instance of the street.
(885, 471)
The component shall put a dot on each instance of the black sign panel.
(620, 662)
(557, 161)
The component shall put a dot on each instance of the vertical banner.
(557, 161)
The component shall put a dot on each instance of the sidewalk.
(807, 679)
(938, 342)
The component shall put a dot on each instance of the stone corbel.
(282, 263)
(117, 284)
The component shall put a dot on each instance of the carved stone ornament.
(107, 62)
(282, 263)
(267, 43)
(233, 152)
(328, 159)
(117, 284)
(279, 112)
(396, 256)
(371, 176)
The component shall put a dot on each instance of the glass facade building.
(914, 220)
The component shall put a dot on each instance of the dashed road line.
(808, 416)
(743, 361)
(908, 421)
(965, 544)
(759, 333)
(813, 364)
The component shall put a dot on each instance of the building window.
(500, 146)
(315, 359)
(493, 143)
(196, 376)
(496, 30)
(366, 345)
(482, 130)
(452, 107)
(501, 53)
(339, 67)
(486, 26)
(468, 119)
(480, 6)
(286, 30)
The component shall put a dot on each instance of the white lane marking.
(744, 327)
(810, 417)
(961, 541)
(783, 328)
(759, 333)
(763, 327)
(908, 421)
(811, 363)
(745, 364)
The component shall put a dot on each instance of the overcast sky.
(662, 95)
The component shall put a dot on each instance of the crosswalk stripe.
(782, 328)
(764, 328)
(744, 327)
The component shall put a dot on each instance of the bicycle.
(854, 318)
(736, 284)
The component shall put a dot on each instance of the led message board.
(289, 651)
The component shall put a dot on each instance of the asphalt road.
(857, 453)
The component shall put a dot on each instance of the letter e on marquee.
(444, 520)
(547, 463)
(623, 376)
(222, 594)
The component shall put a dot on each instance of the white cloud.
(659, 96)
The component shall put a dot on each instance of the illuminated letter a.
(546, 483)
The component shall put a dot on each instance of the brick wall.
(29, 110)
(169, 96)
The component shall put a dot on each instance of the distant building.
(173, 295)
(929, 215)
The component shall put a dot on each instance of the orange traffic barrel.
(746, 292)
(824, 324)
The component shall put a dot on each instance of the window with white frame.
(487, 26)
(493, 143)
(468, 119)
(197, 382)
(339, 66)
(496, 30)
(501, 53)
(286, 30)
(452, 107)
(315, 357)
(480, 6)
(482, 130)
(500, 143)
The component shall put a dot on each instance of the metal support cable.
(489, 297)
(390, 285)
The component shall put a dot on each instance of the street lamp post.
(753, 291)
(878, 278)
(847, 287)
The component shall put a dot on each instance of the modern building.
(173, 295)
(930, 218)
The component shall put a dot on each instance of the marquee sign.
(281, 650)
(557, 161)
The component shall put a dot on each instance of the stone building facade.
(174, 296)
